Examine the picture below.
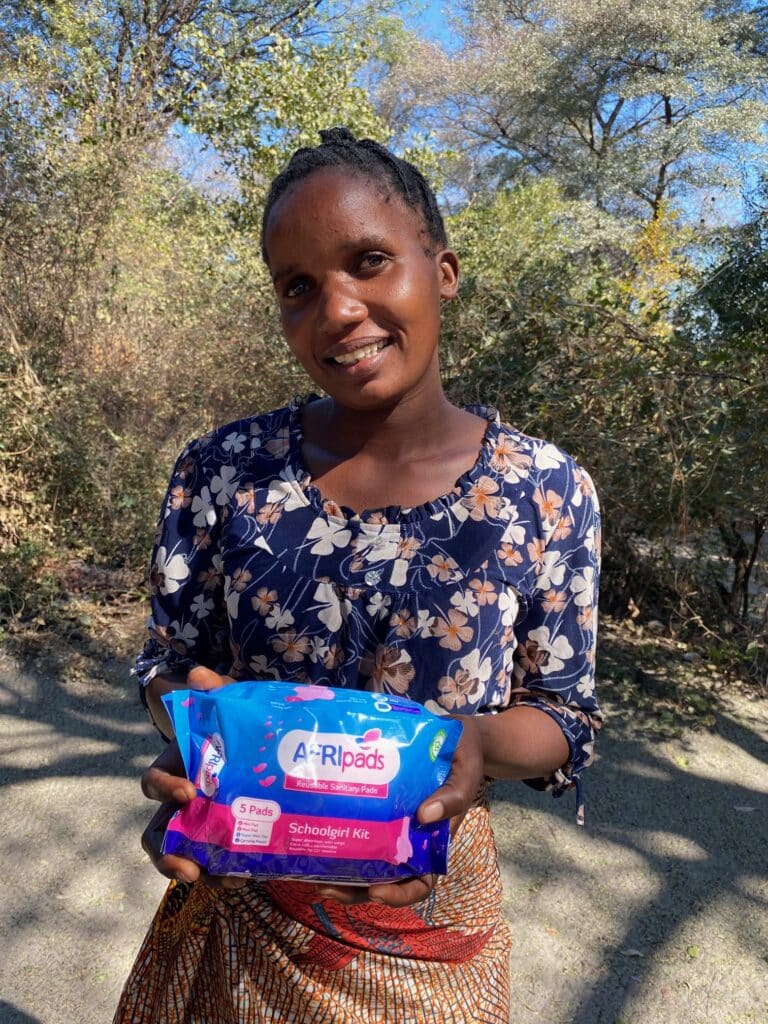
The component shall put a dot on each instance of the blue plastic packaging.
(304, 781)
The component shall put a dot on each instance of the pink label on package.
(259, 826)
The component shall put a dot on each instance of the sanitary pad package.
(304, 781)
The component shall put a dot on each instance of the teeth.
(361, 353)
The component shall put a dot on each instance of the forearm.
(521, 743)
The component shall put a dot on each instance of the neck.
(393, 433)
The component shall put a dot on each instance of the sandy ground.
(655, 912)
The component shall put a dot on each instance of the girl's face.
(359, 294)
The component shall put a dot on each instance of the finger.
(403, 894)
(160, 785)
(460, 789)
(202, 678)
(180, 868)
(347, 894)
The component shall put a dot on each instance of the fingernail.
(182, 877)
(433, 812)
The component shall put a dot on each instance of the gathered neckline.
(390, 514)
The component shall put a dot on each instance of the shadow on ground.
(654, 911)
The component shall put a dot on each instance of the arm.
(187, 625)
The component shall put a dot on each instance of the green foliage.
(626, 104)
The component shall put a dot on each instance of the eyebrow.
(366, 242)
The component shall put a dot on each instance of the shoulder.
(528, 467)
(246, 445)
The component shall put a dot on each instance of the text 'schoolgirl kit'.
(304, 781)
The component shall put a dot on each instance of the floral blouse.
(482, 598)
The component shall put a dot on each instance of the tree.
(623, 102)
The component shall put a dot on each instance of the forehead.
(334, 203)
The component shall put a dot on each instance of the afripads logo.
(337, 762)
(212, 760)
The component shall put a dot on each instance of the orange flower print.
(186, 468)
(210, 578)
(202, 539)
(403, 623)
(263, 600)
(332, 509)
(181, 497)
(585, 618)
(509, 554)
(388, 668)
(454, 690)
(291, 646)
(531, 658)
(246, 499)
(270, 513)
(536, 553)
(279, 444)
(549, 505)
(481, 501)
(407, 547)
(442, 568)
(240, 580)
(554, 601)
(452, 630)
(507, 457)
(485, 592)
(333, 657)
(563, 528)
(377, 519)
(583, 482)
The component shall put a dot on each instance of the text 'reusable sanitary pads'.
(305, 781)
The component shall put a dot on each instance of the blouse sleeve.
(188, 623)
(554, 665)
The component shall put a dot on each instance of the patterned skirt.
(274, 952)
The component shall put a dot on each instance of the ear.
(448, 273)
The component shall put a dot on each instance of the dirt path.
(656, 912)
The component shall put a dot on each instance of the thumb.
(202, 678)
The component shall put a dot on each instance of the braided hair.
(339, 148)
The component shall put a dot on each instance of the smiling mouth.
(350, 358)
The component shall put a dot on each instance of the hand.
(452, 800)
(165, 781)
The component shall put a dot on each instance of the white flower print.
(168, 574)
(385, 547)
(424, 623)
(582, 586)
(552, 571)
(279, 618)
(318, 650)
(548, 457)
(465, 601)
(477, 669)
(285, 490)
(232, 598)
(333, 609)
(224, 484)
(378, 606)
(202, 507)
(201, 606)
(328, 536)
(233, 442)
(509, 606)
(186, 634)
(558, 650)
(514, 532)
(586, 686)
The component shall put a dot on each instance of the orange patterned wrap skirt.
(275, 952)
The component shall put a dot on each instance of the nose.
(340, 305)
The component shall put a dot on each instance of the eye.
(296, 288)
(373, 260)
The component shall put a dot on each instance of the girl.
(378, 537)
